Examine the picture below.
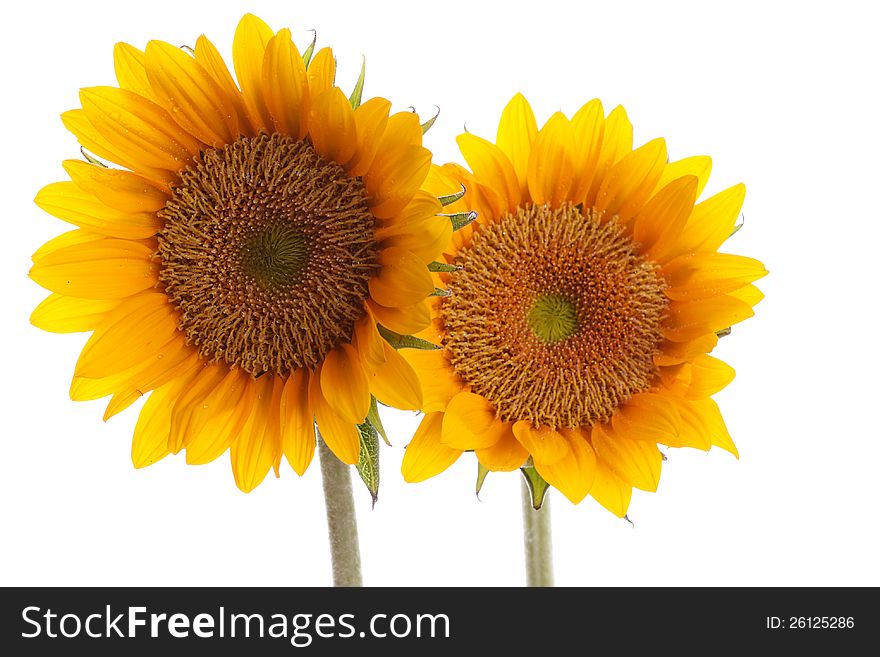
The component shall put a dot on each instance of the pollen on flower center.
(266, 251)
(554, 316)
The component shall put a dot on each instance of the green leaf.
(442, 267)
(374, 419)
(482, 471)
(440, 292)
(452, 198)
(368, 462)
(427, 124)
(461, 219)
(399, 341)
(355, 98)
(537, 486)
(91, 159)
(307, 55)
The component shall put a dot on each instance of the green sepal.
(452, 198)
(427, 124)
(736, 228)
(368, 461)
(374, 419)
(461, 219)
(537, 486)
(440, 292)
(91, 159)
(355, 98)
(482, 471)
(723, 333)
(189, 49)
(307, 55)
(442, 267)
(399, 341)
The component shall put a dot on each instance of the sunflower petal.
(370, 120)
(131, 73)
(588, 127)
(368, 341)
(551, 163)
(544, 444)
(322, 72)
(406, 321)
(216, 423)
(345, 385)
(122, 190)
(647, 416)
(404, 279)
(629, 183)
(712, 221)
(297, 422)
(67, 201)
(426, 456)
(189, 93)
(713, 423)
(610, 491)
(470, 423)
(62, 241)
(150, 441)
(248, 48)
(285, 85)
(659, 224)
(394, 179)
(673, 353)
(425, 238)
(516, 131)
(702, 275)
(332, 126)
(438, 379)
(688, 320)
(492, 168)
(210, 59)
(255, 450)
(395, 383)
(574, 473)
(102, 269)
(617, 141)
(60, 314)
(506, 455)
(697, 165)
(192, 399)
(341, 436)
(637, 462)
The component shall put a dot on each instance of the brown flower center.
(554, 317)
(266, 252)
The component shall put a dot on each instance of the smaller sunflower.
(242, 255)
(581, 307)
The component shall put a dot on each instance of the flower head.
(581, 307)
(238, 258)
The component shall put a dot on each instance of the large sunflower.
(582, 307)
(239, 259)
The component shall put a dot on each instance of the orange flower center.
(554, 317)
(266, 252)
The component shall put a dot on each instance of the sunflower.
(582, 306)
(239, 259)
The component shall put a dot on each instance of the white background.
(781, 95)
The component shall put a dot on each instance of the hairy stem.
(345, 552)
(536, 541)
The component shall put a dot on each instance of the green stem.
(536, 540)
(345, 553)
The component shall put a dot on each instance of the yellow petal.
(673, 353)
(370, 120)
(345, 385)
(692, 431)
(103, 269)
(186, 414)
(425, 238)
(217, 421)
(395, 383)
(710, 415)
(659, 224)
(422, 206)
(629, 183)
(190, 94)
(426, 456)
(121, 190)
(687, 320)
(142, 130)
(368, 342)
(60, 314)
(748, 294)
(406, 321)
(128, 63)
(150, 442)
(91, 139)
(210, 59)
(62, 241)
(506, 455)
(698, 379)
(393, 180)
(248, 48)
(544, 444)
(617, 141)
(492, 168)
(297, 422)
(136, 330)
(404, 279)
(574, 473)
(69, 202)
(588, 127)
(340, 435)
(712, 221)
(697, 165)
(610, 491)
(647, 416)
(438, 379)
(322, 72)
(332, 127)
(636, 462)
(516, 131)
(702, 275)
(551, 163)
(254, 451)
(285, 86)
(470, 423)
